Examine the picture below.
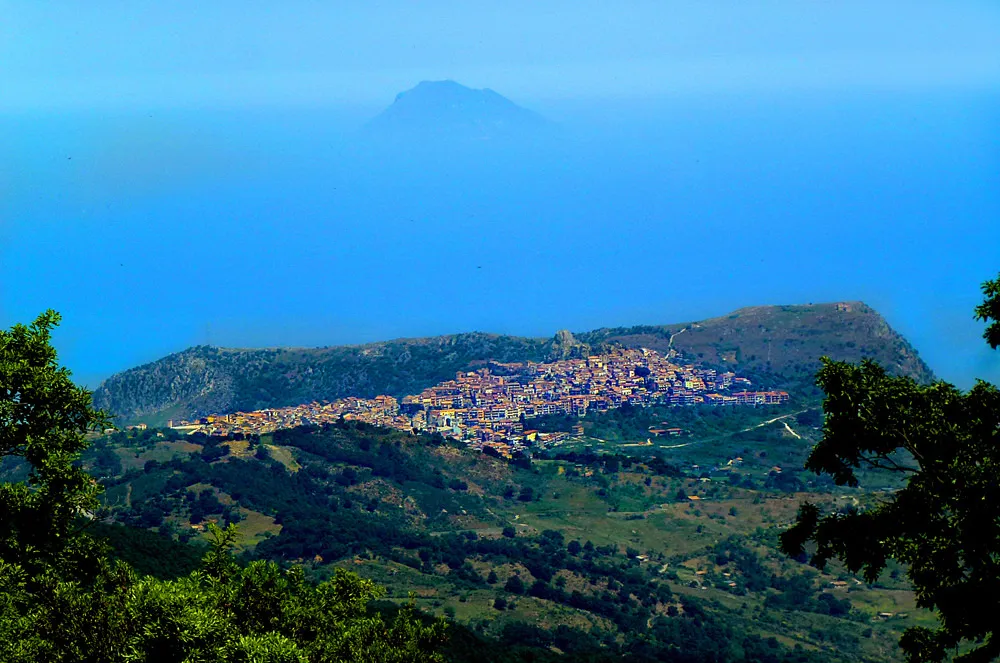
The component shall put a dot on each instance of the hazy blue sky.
(114, 55)
(173, 174)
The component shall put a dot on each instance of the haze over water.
(168, 212)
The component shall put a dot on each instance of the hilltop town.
(491, 406)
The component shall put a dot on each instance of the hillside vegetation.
(782, 342)
(599, 550)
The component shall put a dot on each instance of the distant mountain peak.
(442, 87)
(447, 109)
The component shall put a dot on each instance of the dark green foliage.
(613, 462)
(812, 417)
(754, 576)
(149, 553)
(944, 524)
(106, 462)
(213, 452)
(514, 585)
(989, 312)
(784, 481)
(798, 592)
(43, 419)
(223, 612)
(203, 504)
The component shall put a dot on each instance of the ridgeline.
(781, 343)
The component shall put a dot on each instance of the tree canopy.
(43, 418)
(944, 525)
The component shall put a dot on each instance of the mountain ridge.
(782, 343)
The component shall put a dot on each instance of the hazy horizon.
(171, 179)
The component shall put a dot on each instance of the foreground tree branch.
(944, 525)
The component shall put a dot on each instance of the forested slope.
(602, 554)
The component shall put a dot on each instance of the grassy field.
(134, 458)
(254, 527)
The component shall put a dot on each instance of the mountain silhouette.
(446, 110)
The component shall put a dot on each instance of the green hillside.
(603, 549)
(781, 342)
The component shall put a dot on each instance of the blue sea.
(154, 230)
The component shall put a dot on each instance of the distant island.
(449, 110)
